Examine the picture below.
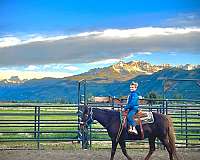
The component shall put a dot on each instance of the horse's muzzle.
(82, 124)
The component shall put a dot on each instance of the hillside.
(52, 89)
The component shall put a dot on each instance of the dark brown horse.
(162, 128)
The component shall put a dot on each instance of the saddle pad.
(145, 119)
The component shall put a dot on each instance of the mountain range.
(120, 72)
(108, 81)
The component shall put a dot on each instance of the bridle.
(90, 119)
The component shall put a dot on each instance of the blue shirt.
(132, 101)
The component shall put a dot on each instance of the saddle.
(140, 119)
(144, 117)
(141, 116)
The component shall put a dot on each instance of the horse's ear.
(85, 110)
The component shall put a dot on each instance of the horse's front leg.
(114, 146)
(122, 144)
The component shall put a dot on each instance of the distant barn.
(102, 99)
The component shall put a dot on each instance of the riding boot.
(134, 130)
(130, 129)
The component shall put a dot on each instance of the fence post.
(166, 107)
(164, 104)
(181, 121)
(85, 140)
(83, 131)
(38, 135)
(35, 123)
(85, 137)
(186, 127)
(85, 93)
(113, 104)
(79, 112)
(91, 136)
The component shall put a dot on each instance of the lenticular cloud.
(98, 45)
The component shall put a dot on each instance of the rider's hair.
(134, 83)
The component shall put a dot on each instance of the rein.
(120, 127)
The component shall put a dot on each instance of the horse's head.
(87, 116)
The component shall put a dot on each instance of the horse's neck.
(102, 118)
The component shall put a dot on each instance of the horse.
(161, 128)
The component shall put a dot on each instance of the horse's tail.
(172, 137)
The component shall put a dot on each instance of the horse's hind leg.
(123, 147)
(151, 147)
(114, 146)
(165, 142)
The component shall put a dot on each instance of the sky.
(50, 38)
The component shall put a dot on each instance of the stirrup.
(130, 130)
(134, 130)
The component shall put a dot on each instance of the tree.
(152, 95)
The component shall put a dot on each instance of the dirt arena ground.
(90, 155)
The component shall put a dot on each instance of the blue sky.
(70, 37)
(72, 16)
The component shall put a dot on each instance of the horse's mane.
(108, 111)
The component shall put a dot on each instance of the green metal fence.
(39, 123)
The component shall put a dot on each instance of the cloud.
(172, 54)
(72, 68)
(53, 66)
(9, 41)
(95, 46)
(6, 74)
(144, 53)
(3, 68)
(13, 41)
(104, 62)
(184, 20)
(31, 68)
(47, 66)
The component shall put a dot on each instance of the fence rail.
(40, 123)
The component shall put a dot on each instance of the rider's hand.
(140, 97)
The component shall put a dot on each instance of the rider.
(132, 105)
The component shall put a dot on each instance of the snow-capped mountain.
(121, 71)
